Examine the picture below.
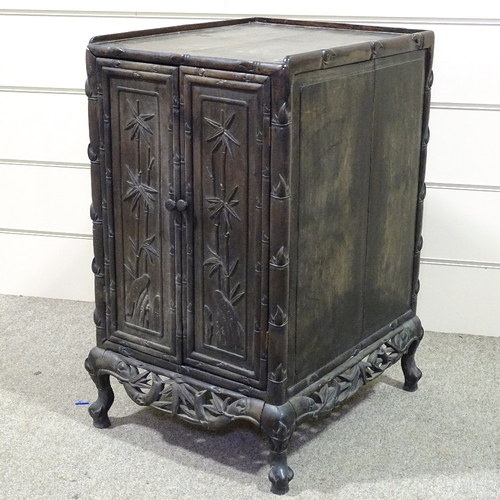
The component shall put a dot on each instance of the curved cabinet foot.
(278, 424)
(410, 370)
(280, 474)
(181, 396)
(215, 407)
(98, 410)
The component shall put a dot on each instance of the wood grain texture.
(331, 193)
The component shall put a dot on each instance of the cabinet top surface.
(258, 40)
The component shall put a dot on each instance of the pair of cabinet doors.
(185, 189)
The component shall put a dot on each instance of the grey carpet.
(441, 442)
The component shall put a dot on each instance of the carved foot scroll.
(99, 409)
(278, 423)
(410, 370)
(178, 395)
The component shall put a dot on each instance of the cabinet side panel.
(332, 189)
(393, 187)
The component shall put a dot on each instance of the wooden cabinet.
(257, 207)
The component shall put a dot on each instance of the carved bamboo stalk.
(421, 179)
(96, 207)
(107, 201)
(279, 237)
(264, 235)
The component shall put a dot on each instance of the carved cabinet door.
(140, 178)
(225, 123)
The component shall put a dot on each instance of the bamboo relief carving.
(336, 388)
(177, 395)
(222, 325)
(142, 304)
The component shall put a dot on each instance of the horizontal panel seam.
(51, 234)
(120, 14)
(459, 263)
(455, 106)
(459, 21)
(462, 187)
(43, 164)
(459, 106)
(41, 90)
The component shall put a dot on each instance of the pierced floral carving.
(335, 390)
(200, 404)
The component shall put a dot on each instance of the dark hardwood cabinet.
(257, 202)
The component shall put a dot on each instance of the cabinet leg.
(278, 423)
(98, 410)
(410, 370)
(280, 474)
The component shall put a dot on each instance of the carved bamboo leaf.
(166, 393)
(139, 191)
(189, 412)
(279, 374)
(186, 394)
(323, 394)
(141, 380)
(149, 250)
(132, 244)
(163, 405)
(138, 125)
(215, 262)
(198, 405)
(129, 268)
(219, 404)
(224, 206)
(221, 135)
(138, 286)
(281, 190)
(233, 267)
(280, 259)
(235, 295)
(279, 318)
(283, 116)
(282, 433)
(372, 358)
